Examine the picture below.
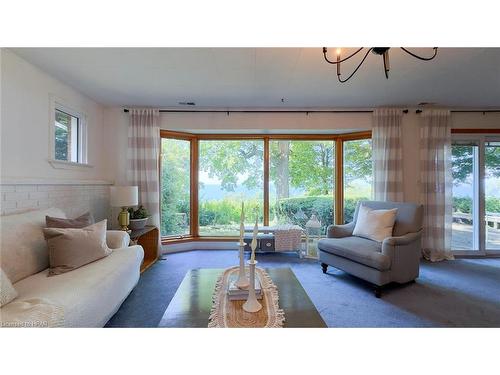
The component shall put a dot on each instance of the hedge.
(464, 204)
(226, 211)
(298, 211)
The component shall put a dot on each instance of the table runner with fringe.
(230, 314)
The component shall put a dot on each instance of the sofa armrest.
(116, 239)
(339, 231)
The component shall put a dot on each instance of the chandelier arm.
(338, 62)
(420, 57)
(355, 70)
(386, 71)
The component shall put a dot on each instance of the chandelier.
(381, 51)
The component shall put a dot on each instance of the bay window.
(282, 179)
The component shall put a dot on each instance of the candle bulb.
(254, 239)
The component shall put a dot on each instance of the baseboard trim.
(198, 245)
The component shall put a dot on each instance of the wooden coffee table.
(192, 302)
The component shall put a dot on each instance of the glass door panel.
(492, 194)
(465, 231)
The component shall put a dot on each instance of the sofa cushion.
(80, 222)
(89, 295)
(359, 250)
(71, 248)
(23, 249)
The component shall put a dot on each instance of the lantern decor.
(242, 282)
(313, 232)
(252, 305)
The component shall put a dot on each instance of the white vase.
(252, 305)
(242, 281)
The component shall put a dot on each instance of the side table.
(147, 237)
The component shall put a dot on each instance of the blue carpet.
(460, 293)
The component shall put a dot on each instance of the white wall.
(25, 127)
(27, 180)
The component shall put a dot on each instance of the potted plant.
(138, 218)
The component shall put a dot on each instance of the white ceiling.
(261, 77)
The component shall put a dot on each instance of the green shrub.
(464, 204)
(299, 210)
(227, 211)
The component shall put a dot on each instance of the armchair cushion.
(359, 250)
(409, 216)
(374, 224)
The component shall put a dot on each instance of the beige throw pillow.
(71, 248)
(373, 224)
(7, 291)
(80, 222)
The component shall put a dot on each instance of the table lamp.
(124, 197)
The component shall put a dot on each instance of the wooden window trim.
(194, 139)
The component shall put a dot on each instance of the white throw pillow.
(373, 224)
(7, 291)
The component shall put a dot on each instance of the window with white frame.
(68, 134)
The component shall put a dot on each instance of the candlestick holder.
(242, 281)
(252, 305)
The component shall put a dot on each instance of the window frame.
(194, 138)
(57, 104)
(479, 136)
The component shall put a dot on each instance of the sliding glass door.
(476, 195)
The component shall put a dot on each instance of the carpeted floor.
(460, 293)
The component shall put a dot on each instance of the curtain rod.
(470, 111)
(257, 111)
(126, 110)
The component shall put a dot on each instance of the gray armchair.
(396, 259)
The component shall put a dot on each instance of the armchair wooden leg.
(324, 266)
(378, 291)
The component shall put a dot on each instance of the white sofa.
(86, 297)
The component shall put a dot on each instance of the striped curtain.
(387, 155)
(143, 159)
(436, 183)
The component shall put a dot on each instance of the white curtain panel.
(143, 159)
(436, 183)
(387, 154)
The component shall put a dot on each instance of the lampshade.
(124, 196)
